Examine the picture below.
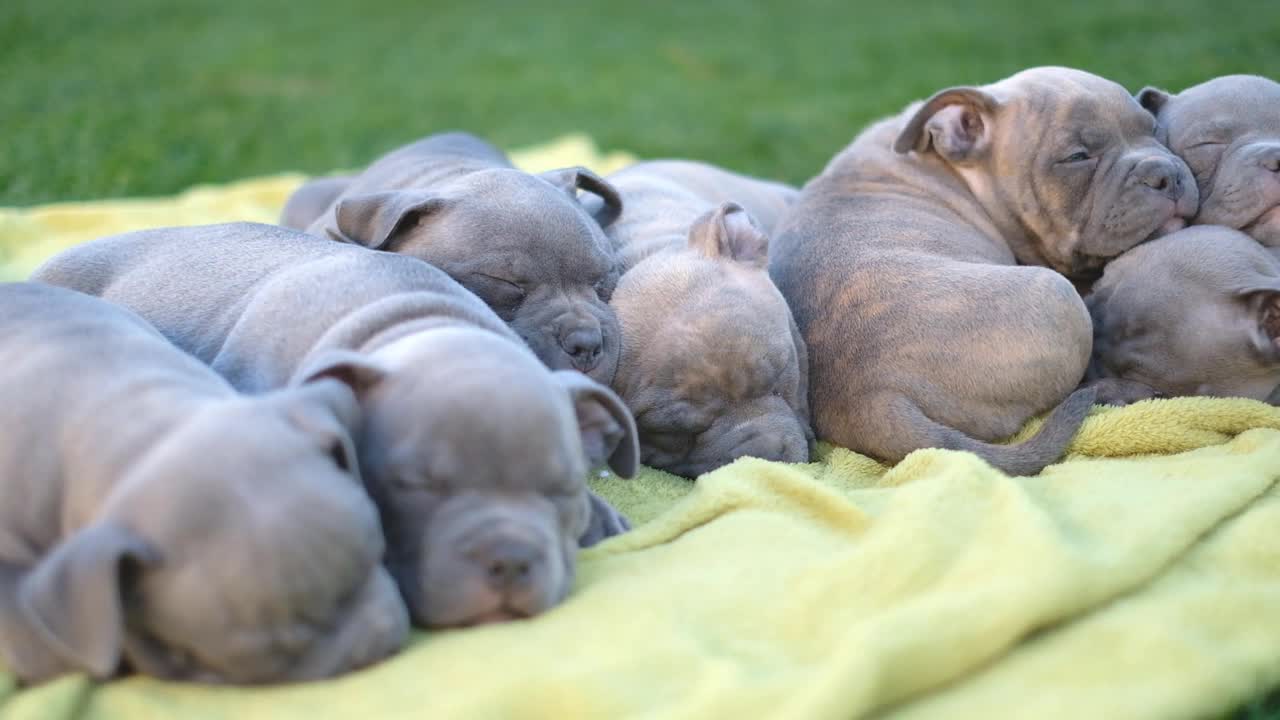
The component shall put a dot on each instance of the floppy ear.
(74, 597)
(1152, 99)
(955, 123)
(355, 370)
(731, 233)
(374, 219)
(1264, 303)
(328, 409)
(573, 179)
(607, 428)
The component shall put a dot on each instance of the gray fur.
(1228, 131)
(710, 363)
(1193, 313)
(155, 516)
(521, 242)
(925, 264)
(310, 200)
(475, 453)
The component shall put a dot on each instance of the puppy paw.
(1120, 392)
(605, 522)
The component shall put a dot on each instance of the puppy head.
(477, 456)
(1070, 158)
(1228, 131)
(1194, 313)
(522, 243)
(711, 364)
(242, 549)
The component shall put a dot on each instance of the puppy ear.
(374, 219)
(731, 233)
(74, 597)
(1152, 99)
(607, 428)
(1263, 301)
(955, 123)
(573, 179)
(355, 370)
(328, 409)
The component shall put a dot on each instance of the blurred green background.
(146, 97)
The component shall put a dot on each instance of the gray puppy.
(711, 364)
(1193, 313)
(475, 453)
(910, 262)
(521, 242)
(1228, 131)
(155, 516)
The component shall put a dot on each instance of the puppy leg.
(605, 522)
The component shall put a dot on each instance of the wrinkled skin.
(523, 243)
(1228, 131)
(122, 543)
(910, 263)
(711, 364)
(470, 541)
(1193, 313)
(454, 403)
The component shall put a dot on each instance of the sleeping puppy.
(1193, 313)
(474, 452)
(120, 540)
(1228, 131)
(711, 364)
(925, 265)
(521, 242)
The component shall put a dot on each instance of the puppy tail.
(1045, 447)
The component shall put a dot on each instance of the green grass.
(141, 97)
(145, 97)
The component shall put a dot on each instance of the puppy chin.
(1172, 225)
(1266, 229)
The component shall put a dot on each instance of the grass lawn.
(142, 97)
(145, 97)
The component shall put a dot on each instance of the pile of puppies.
(249, 453)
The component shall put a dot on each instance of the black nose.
(1162, 176)
(583, 346)
(509, 564)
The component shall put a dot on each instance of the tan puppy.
(1193, 313)
(155, 518)
(1228, 131)
(711, 364)
(475, 453)
(909, 262)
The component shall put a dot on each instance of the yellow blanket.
(1139, 579)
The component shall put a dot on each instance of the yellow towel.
(1138, 579)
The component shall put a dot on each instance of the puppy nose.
(510, 564)
(583, 346)
(1161, 175)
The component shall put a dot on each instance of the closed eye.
(511, 284)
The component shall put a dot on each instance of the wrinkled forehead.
(1070, 101)
(501, 437)
(536, 229)
(1233, 105)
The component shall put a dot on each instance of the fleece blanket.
(1139, 578)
